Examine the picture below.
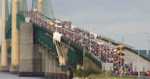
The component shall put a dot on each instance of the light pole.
(147, 36)
(148, 47)
(138, 66)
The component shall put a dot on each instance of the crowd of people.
(89, 41)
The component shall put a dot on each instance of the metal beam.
(62, 53)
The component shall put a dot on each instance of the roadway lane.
(12, 76)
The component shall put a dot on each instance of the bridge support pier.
(38, 61)
(26, 50)
(52, 68)
(48, 64)
(89, 65)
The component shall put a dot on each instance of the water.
(12, 76)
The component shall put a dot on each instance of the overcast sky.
(122, 20)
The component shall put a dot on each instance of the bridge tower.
(45, 7)
(22, 5)
(40, 5)
(4, 54)
(15, 38)
(48, 9)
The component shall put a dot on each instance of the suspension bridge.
(35, 43)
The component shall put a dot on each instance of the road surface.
(12, 76)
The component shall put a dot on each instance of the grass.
(106, 76)
(99, 76)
